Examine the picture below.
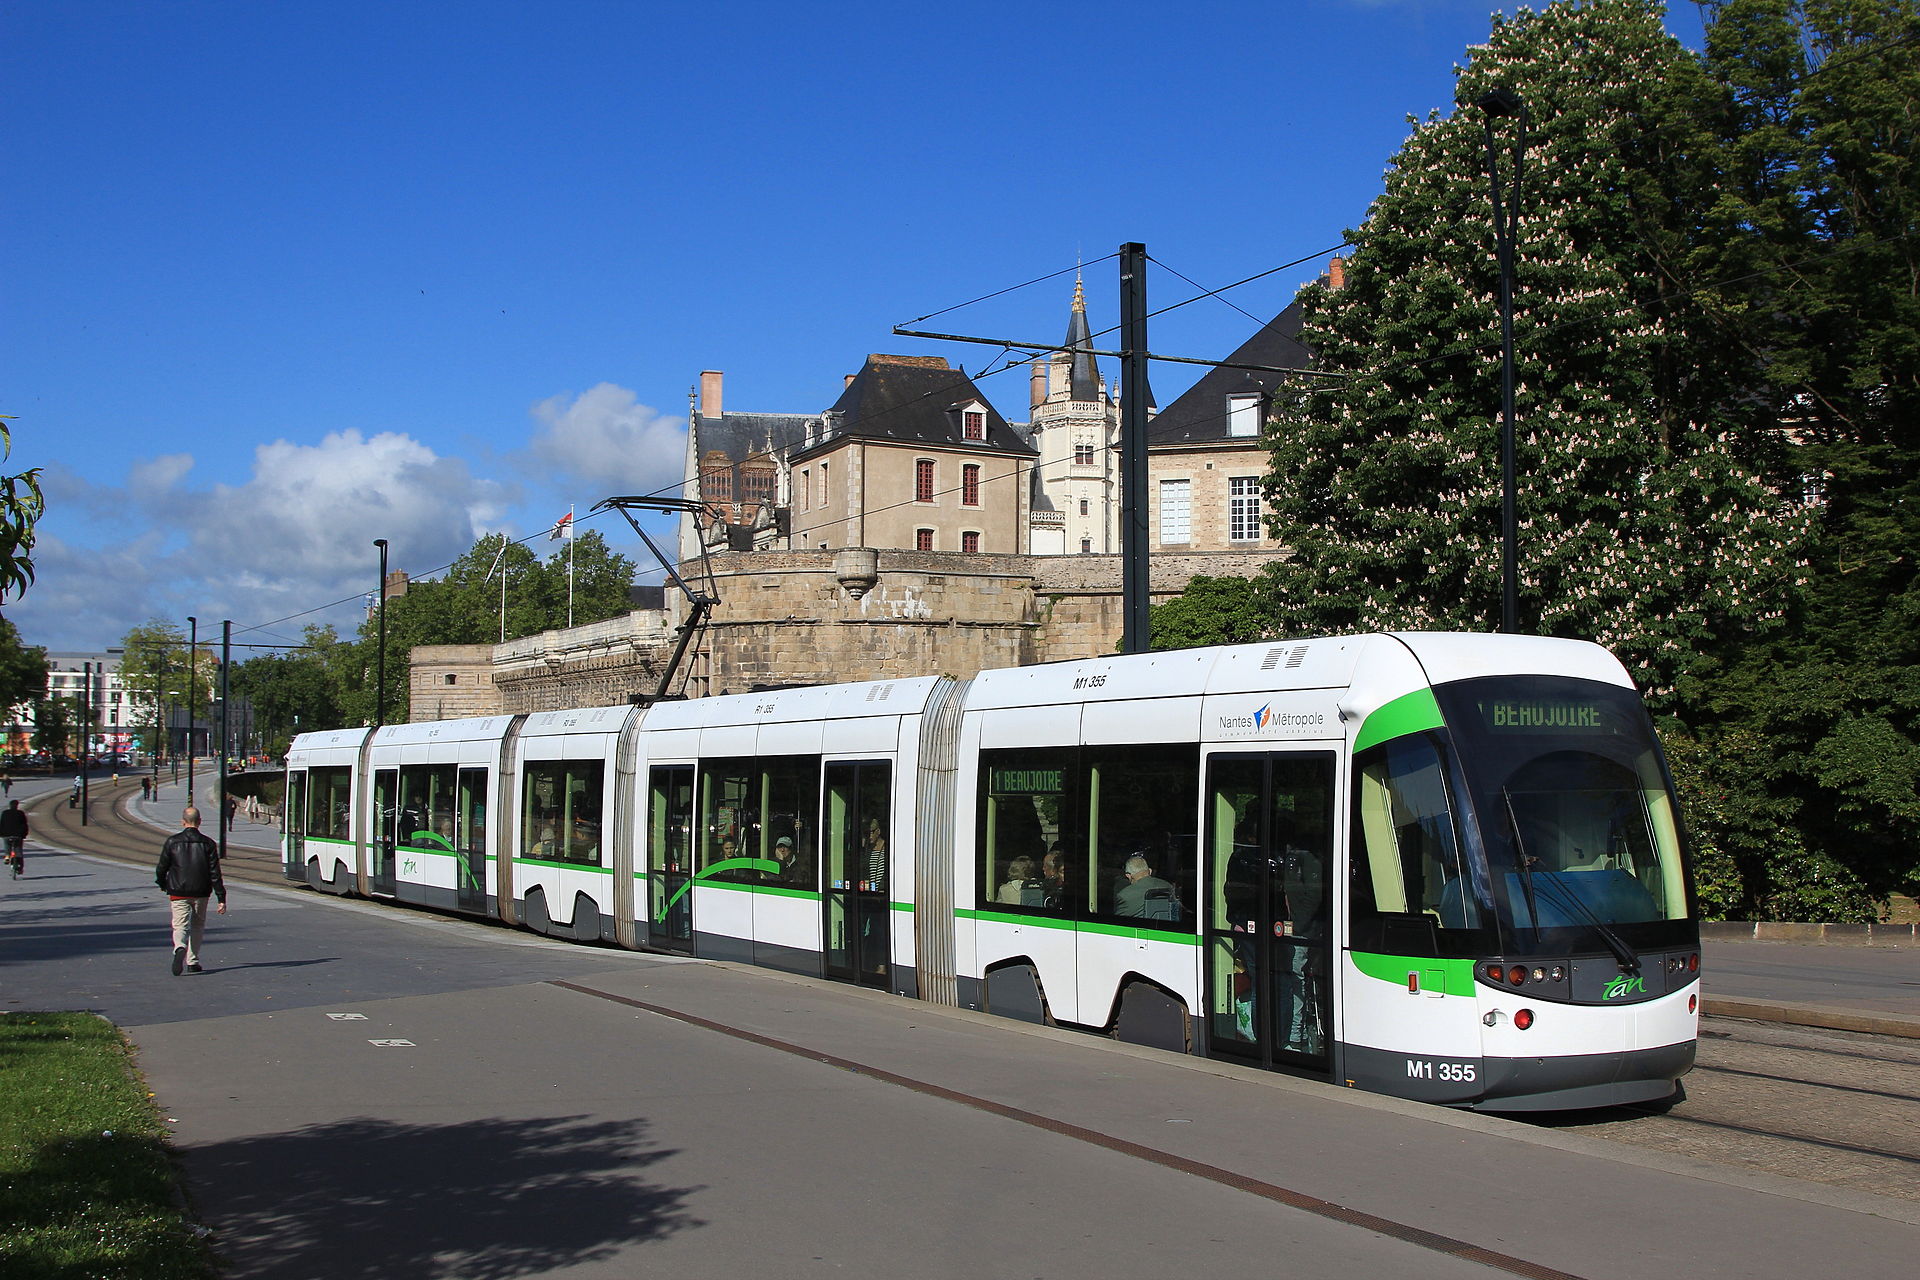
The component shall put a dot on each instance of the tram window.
(427, 806)
(1409, 877)
(1584, 844)
(562, 811)
(755, 823)
(1026, 847)
(670, 818)
(790, 788)
(1101, 833)
(329, 801)
(1141, 807)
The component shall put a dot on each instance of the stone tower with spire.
(1075, 505)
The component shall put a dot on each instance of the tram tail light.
(1517, 974)
(1693, 963)
(1522, 1019)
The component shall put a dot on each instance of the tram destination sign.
(1024, 782)
(1547, 715)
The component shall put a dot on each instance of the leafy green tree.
(54, 723)
(1213, 611)
(154, 671)
(23, 668)
(1647, 516)
(21, 506)
(293, 691)
(1815, 232)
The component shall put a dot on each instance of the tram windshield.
(1572, 810)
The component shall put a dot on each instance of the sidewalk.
(162, 812)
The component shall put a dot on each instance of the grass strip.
(86, 1186)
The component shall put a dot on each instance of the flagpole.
(569, 565)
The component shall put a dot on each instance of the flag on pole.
(562, 528)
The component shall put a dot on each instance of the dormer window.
(1243, 415)
(973, 424)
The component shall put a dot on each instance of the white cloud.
(296, 534)
(310, 512)
(605, 442)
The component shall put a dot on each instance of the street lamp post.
(1502, 103)
(380, 681)
(86, 732)
(193, 652)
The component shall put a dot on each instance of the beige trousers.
(189, 923)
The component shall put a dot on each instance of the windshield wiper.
(1520, 859)
(1565, 898)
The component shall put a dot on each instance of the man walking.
(189, 870)
(13, 830)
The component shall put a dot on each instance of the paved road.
(1877, 979)
(367, 1093)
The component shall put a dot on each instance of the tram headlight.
(1558, 973)
(1522, 1019)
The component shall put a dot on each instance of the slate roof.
(1086, 373)
(745, 435)
(914, 400)
(1200, 415)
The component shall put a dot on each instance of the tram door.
(857, 914)
(670, 857)
(293, 821)
(385, 834)
(1269, 954)
(470, 841)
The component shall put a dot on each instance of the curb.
(1826, 1017)
(1843, 935)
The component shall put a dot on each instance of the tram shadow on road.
(491, 1199)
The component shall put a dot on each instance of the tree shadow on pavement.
(488, 1199)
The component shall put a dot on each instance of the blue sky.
(279, 279)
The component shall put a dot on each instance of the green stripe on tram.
(1409, 713)
(1449, 977)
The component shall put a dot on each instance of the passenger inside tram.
(1145, 895)
(1021, 887)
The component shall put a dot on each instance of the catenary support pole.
(1136, 603)
(226, 730)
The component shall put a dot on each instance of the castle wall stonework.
(812, 617)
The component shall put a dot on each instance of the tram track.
(111, 832)
(1834, 1107)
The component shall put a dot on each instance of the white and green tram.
(1441, 866)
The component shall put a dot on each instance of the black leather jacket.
(189, 866)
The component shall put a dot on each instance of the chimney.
(710, 393)
(849, 381)
(1037, 384)
(1336, 274)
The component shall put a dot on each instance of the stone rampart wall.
(809, 617)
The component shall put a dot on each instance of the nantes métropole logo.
(1257, 721)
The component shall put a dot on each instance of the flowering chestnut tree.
(1654, 510)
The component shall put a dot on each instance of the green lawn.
(86, 1187)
